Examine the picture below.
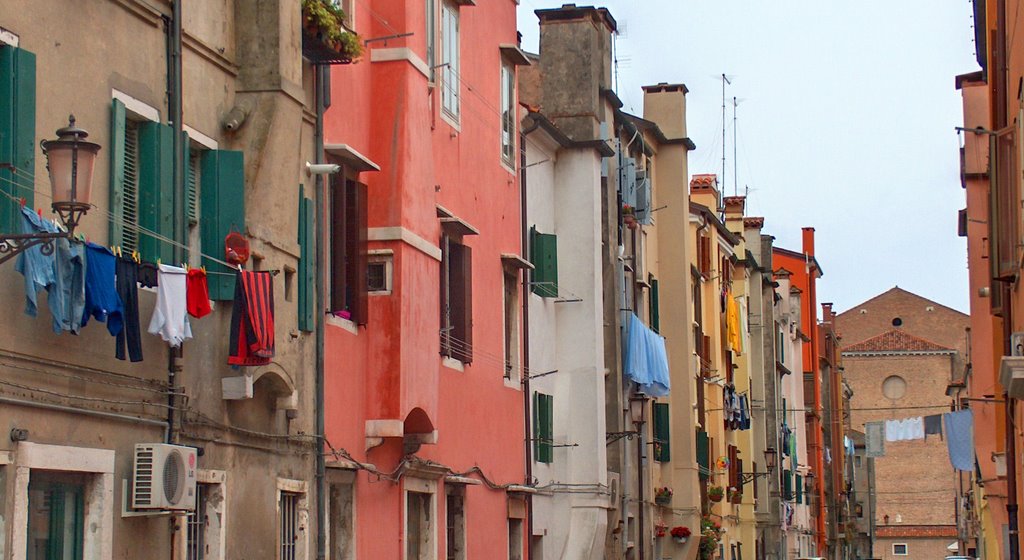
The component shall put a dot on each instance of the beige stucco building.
(248, 110)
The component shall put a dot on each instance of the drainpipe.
(321, 76)
(173, 48)
(524, 226)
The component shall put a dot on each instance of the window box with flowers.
(735, 496)
(716, 493)
(680, 534)
(663, 496)
(325, 40)
(660, 530)
(629, 216)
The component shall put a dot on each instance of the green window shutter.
(787, 485)
(703, 455)
(542, 427)
(191, 167)
(156, 191)
(662, 447)
(544, 256)
(799, 489)
(221, 211)
(118, 128)
(655, 312)
(17, 133)
(306, 265)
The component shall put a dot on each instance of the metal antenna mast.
(725, 81)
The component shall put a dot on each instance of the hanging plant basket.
(324, 37)
(716, 493)
(680, 540)
(663, 500)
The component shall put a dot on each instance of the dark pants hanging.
(127, 288)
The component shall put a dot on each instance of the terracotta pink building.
(423, 344)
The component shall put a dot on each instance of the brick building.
(900, 351)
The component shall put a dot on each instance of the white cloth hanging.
(170, 319)
(907, 429)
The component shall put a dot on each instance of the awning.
(646, 359)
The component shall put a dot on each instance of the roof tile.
(895, 340)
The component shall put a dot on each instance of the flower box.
(325, 40)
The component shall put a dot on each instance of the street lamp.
(70, 161)
(771, 457)
(637, 404)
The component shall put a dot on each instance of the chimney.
(808, 233)
(576, 67)
(704, 190)
(826, 313)
(665, 104)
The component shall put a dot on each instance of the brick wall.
(917, 548)
(941, 325)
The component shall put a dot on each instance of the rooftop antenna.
(735, 169)
(725, 81)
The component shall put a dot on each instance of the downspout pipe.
(321, 79)
(173, 48)
(525, 227)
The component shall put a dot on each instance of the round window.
(897, 322)
(894, 387)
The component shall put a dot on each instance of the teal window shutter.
(119, 235)
(306, 263)
(799, 489)
(787, 485)
(542, 427)
(191, 167)
(703, 455)
(17, 134)
(156, 191)
(544, 256)
(221, 211)
(662, 443)
(655, 305)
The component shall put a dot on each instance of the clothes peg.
(22, 200)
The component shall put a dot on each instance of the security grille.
(195, 526)
(289, 524)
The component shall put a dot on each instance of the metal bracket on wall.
(126, 511)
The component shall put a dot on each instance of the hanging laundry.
(874, 438)
(933, 425)
(744, 413)
(169, 316)
(744, 329)
(732, 321)
(101, 300)
(737, 411)
(61, 274)
(646, 359)
(787, 434)
(960, 439)
(913, 428)
(828, 456)
(127, 275)
(198, 293)
(149, 275)
(252, 320)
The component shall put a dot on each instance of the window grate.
(195, 526)
(130, 190)
(289, 525)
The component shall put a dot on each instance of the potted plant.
(325, 36)
(629, 216)
(735, 496)
(663, 496)
(716, 493)
(660, 530)
(680, 534)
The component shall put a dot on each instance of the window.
(894, 387)
(511, 302)
(456, 300)
(655, 305)
(515, 539)
(349, 8)
(419, 529)
(450, 60)
(543, 420)
(662, 442)
(289, 525)
(544, 256)
(799, 489)
(787, 485)
(899, 549)
(17, 133)
(307, 266)
(221, 212)
(203, 535)
(195, 526)
(857, 461)
(704, 256)
(56, 516)
(348, 250)
(508, 114)
(455, 522)
(342, 522)
(430, 17)
(378, 275)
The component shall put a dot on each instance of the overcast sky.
(846, 123)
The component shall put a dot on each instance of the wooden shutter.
(544, 256)
(655, 306)
(191, 183)
(753, 468)
(355, 247)
(703, 454)
(662, 447)
(221, 211)
(307, 289)
(17, 133)
(119, 234)
(542, 427)
(461, 293)
(787, 485)
(156, 191)
(799, 489)
(340, 264)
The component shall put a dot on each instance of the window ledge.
(452, 363)
(342, 323)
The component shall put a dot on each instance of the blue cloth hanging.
(960, 439)
(646, 359)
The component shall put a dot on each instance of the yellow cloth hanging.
(732, 322)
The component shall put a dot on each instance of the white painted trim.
(200, 138)
(6, 457)
(398, 233)
(210, 476)
(423, 486)
(63, 458)
(352, 158)
(398, 54)
(452, 363)
(135, 107)
(340, 322)
(292, 485)
(9, 38)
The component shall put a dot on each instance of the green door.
(56, 515)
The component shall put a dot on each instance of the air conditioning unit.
(164, 477)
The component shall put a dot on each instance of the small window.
(662, 438)
(195, 526)
(379, 271)
(289, 525)
(419, 530)
(342, 522)
(508, 114)
(857, 461)
(456, 300)
(515, 539)
(544, 256)
(894, 387)
(455, 523)
(56, 515)
(543, 419)
(450, 93)
(511, 303)
(897, 322)
(348, 250)
(899, 549)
